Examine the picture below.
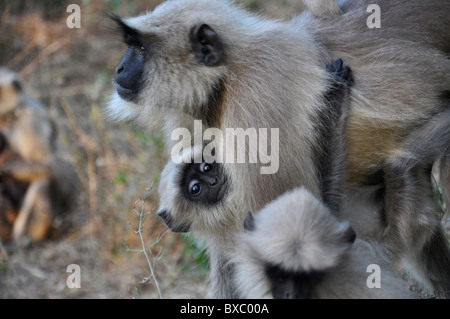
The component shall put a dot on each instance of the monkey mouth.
(221, 193)
(126, 94)
(171, 224)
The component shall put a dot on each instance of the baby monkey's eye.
(195, 188)
(142, 50)
(206, 167)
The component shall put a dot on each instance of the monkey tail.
(436, 256)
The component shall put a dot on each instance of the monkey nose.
(210, 180)
(161, 212)
(120, 69)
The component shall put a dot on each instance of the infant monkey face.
(191, 194)
(203, 183)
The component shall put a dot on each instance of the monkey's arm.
(25, 171)
(342, 81)
(331, 141)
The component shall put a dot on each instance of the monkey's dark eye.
(142, 50)
(195, 188)
(206, 167)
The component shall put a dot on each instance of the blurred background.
(70, 71)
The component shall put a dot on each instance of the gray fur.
(331, 152)
(272, 76)
(322, 8)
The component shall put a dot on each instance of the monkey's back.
(401, 72)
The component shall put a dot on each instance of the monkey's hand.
(336, 97)
(341, 74)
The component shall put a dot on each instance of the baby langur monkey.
(201, 190)
(296, 248)
(203, 187)
(200, 198)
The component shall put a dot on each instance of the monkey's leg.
(7, 217)
(339, 90)
(333, 148)
(413, 225)
(35, 216)
(26, 171)
(413, 215)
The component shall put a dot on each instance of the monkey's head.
(289, 246)
(195, 197)
(175, 59)
(10, 90)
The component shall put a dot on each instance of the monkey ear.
(249, 222)
(130, 36)
(206, 44)
(348, 235)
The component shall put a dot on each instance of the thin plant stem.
(141, 215)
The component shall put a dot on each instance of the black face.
(206, 46)
(204, 183)
(291, 285)
(130, 72)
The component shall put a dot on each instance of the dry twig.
(142, 215)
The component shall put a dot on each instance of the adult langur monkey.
(212, 61)
(295, 248)
(35, 181)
